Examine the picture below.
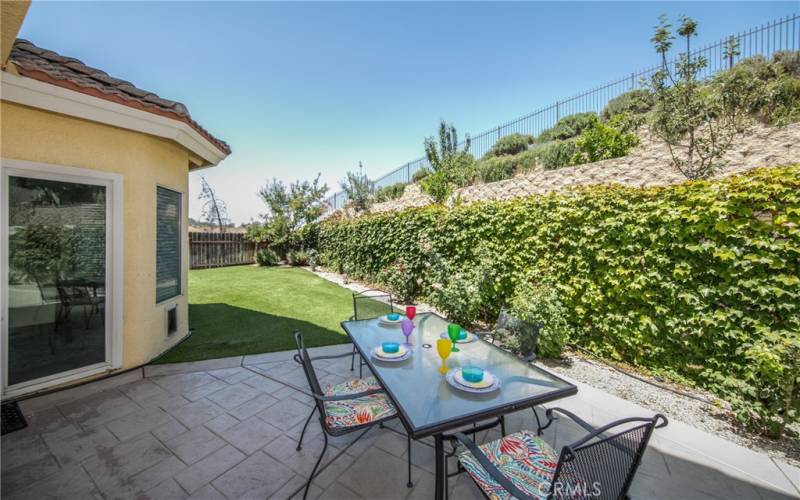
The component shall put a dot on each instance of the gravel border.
(703, 415)
(714, 419)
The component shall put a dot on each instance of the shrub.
(495, 169)
(788, 62)
(297, 258)
(402, 282)
(437, 185)
(556, 154)
(266, 257)
(510, 145)
(632, 103)
(420, 174)
(694, 281)
(605, 140)
(390, 192)
(568, 127)
(538, 303)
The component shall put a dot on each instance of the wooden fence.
(219, 249)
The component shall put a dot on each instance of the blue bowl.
(390, 347)
(472, 374)
(393, 316)
(462, 335)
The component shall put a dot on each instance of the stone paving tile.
(250, 435)
(285, 414)
(205, 390)
(219, 424)
(338, 492)
(19, 449)
(377, 474)
(196, 413)
(424, 487)
(99, 408)
(195, 445)
(284, 449)
(255, 405)
(334, 469)
(232, 396)
(23, 475)
(136, 485)
(207, 492)
(259, 476)
(294, 484)
(141, 390)
(183, 382)
(232, 375)
(168, 431)
(166, 490)
(263, 384)
(39, 421)
(70, 483)
(73, 445)
(167, 402)
(138, 422)
(209, 468)
(112, 468)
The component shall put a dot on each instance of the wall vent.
(172, 319)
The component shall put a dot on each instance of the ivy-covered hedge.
(698, 281)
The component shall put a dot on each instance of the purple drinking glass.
(407, 326)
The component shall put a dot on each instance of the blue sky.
(301, 88)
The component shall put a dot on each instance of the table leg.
(441, 477)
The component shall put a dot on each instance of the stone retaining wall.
(649, 164)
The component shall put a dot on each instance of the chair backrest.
(371, 304)
(525, 331)
(304, 359)
(600, 465)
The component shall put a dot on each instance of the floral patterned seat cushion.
(358, 411)
(525, 459)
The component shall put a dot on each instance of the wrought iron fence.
(774, 36)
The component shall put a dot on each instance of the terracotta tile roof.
(47, 66)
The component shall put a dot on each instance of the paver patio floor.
(216, 429)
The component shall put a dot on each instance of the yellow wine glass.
(443, 347)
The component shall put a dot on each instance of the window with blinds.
(168, 244)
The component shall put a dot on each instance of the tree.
(359, 189)
(289, 208)
(215, 211)
(450, 166)
(697, 126)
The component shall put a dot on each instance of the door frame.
(114, 272)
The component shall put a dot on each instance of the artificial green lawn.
(250, 310)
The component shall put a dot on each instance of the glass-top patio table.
(428, 405)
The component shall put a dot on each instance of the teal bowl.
(390, 347)
(472, 374)
(462, 335)
(393, 316)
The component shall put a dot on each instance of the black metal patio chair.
(369, 304)
(507, 325)
(601, 465)
(352, 406)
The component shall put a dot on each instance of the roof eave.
(58, 99)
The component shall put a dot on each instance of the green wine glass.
(454, 331)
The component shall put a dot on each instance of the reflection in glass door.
(57, 252)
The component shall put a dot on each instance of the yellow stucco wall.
(12, 13)
(145, 162)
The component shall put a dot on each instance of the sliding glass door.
(56, 230)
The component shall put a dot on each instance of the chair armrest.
(551, 418)
(490, 468)
(299, 361)
(658, 420)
